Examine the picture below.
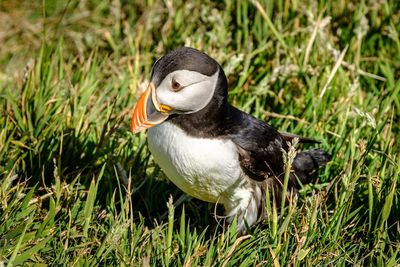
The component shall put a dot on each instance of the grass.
(77, 188)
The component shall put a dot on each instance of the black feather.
(307, 162)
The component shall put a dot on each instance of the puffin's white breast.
(207, 169)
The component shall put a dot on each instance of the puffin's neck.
(207, 122)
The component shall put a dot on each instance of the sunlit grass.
(77, 188)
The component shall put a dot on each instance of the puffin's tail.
(304, 168)
(305, 164)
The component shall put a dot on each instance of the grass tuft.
(77, 188)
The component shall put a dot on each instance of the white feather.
(198, 89)
(207, 169)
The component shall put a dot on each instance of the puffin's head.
(183, 81)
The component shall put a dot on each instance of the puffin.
(211, 150)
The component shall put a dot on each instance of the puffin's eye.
(176, 86)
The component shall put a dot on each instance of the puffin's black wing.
(260, 146)
(261, 149)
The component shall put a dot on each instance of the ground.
(77, 188)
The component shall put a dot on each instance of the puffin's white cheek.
(195, 97)
(197, 92)
(166, 96)
(190, 99)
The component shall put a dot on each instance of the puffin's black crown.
(183, 58)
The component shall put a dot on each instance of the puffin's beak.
(148, 112)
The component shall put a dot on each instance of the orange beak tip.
(141, 120)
